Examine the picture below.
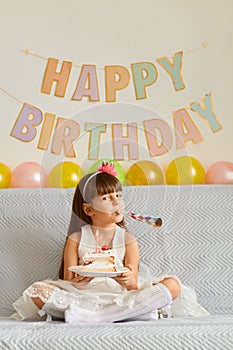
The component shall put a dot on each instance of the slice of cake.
(103, 261)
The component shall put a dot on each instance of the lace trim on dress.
(61, 299)
(42, 290)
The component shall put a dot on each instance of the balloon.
(5, 176)
(65, 175)
(184, 171)
(220, 173)
(145, 172)
(118, 167)
(29, 175)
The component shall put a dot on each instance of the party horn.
(150, 220)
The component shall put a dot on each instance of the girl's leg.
(172, 285)
(28, 306)
(137, 303)
(38, 302)
(25, 309)
(40, 294)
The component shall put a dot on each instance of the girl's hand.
(127, 279)
(79, 278)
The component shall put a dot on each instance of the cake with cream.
(103, 261)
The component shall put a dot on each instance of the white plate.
(79, 270)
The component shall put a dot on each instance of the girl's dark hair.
(89, 187)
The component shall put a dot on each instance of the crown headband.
(105, 167)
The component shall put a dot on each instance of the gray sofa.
(194, 243)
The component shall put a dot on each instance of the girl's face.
(108, 207)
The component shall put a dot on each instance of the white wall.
(107, 32)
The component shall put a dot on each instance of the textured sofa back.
(194, 243)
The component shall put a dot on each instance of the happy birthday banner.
(64, 132)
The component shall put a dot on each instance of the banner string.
(27, 52)
(10, 95)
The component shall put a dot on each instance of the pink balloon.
(29, 175)
(220, 173)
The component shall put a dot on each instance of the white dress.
(103, 299)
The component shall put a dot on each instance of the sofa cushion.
(194, 243)
(207, 333)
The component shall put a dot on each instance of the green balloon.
(119, 169)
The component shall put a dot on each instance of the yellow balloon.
(185, 171)
(145, 172)
(65, 175)
(5, 176)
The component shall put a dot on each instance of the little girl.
(98, 205)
